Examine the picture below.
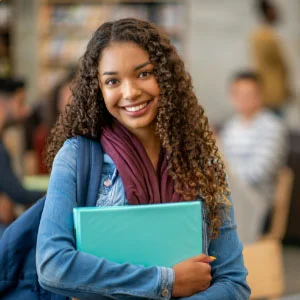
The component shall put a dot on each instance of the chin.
(138, 124)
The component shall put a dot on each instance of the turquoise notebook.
(148, 235)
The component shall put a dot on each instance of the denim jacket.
(64, 270)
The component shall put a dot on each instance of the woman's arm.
(228, 270)
(64, 270)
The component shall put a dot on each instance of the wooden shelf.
(58, 2)
(67, 30)
(58, 63)
(82, 33)
(64, 27)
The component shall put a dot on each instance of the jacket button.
(107, 182)
(165, 293)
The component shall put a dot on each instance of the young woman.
(132, 94)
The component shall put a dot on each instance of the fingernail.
(212, 257)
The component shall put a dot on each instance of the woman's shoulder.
(71, 143)
(68, 152)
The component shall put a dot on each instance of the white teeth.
(136, 108)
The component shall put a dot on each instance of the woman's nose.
(130, 90)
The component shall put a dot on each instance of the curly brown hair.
(193, 159)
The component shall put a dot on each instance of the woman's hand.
(192, 276)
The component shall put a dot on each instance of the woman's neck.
(151, 143)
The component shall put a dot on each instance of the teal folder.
(148, 235)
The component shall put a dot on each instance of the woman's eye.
(145, 74)
(111, 81)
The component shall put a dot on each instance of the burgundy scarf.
(142, 184)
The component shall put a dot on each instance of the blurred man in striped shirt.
(253, 144)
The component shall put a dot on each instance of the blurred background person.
(32, 122)
(12, 110)
(59, 97)
(268, 57)
(253, 143)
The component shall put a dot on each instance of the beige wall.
(217, 46)
(24, 43)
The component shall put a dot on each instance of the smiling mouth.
(136, 108)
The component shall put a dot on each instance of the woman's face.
(128, 85)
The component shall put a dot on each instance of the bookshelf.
(65, 27)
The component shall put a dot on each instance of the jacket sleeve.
(228, 270)
(64, 270)
(11, 185)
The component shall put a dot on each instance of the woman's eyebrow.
(110, 73)
(142, 65)
(135, 69)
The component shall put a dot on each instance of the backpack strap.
(89, 166)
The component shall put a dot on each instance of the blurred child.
(253, 143)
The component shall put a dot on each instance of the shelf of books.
(66, 26)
